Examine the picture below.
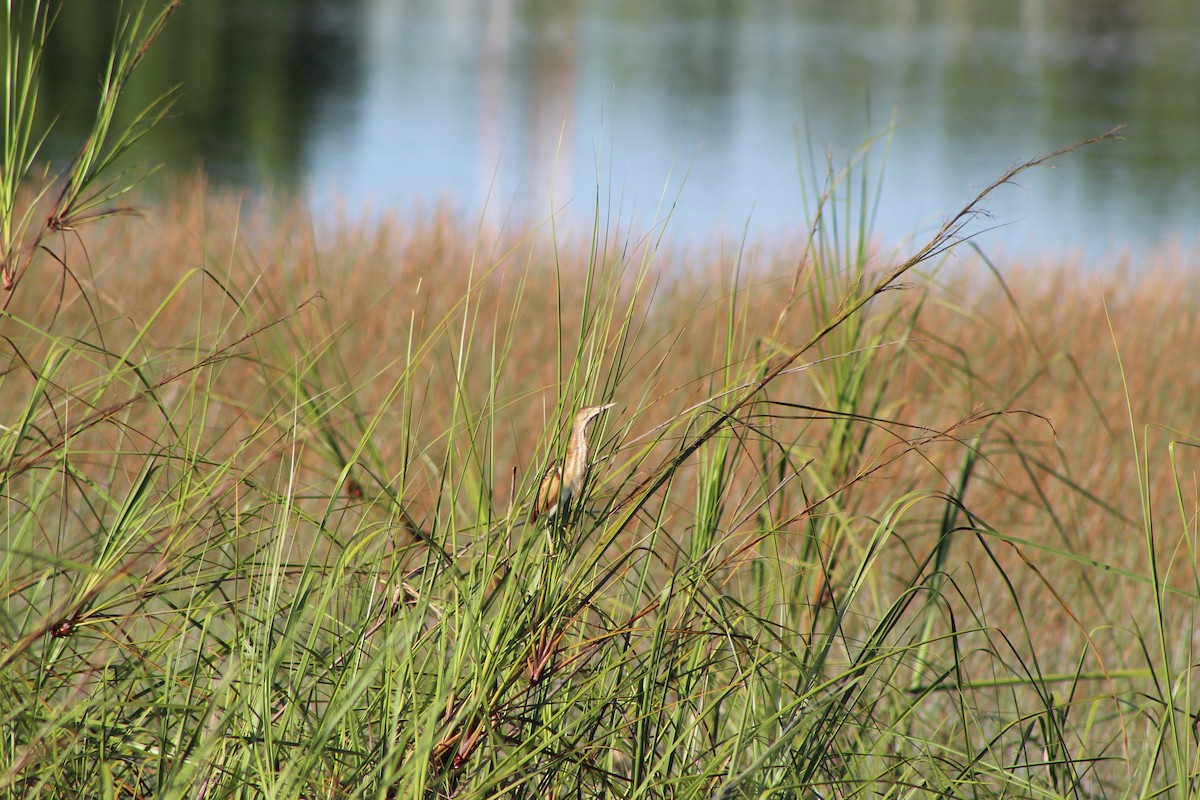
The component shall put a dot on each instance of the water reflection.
(531, 105)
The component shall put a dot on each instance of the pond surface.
(716, 112)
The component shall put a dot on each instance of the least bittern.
(564, 478)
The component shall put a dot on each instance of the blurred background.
(711, 112)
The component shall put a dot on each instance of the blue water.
(716, 114)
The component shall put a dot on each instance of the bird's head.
(589, 413)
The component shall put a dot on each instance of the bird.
(564, 478)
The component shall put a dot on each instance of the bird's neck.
(577, 449)
(578, 443)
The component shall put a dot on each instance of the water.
(703, 109)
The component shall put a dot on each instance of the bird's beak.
(607, 406)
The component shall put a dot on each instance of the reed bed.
(265, 487)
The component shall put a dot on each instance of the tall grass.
(265, 487)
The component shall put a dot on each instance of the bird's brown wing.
(548, 492)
